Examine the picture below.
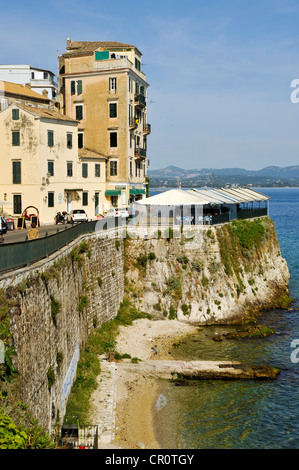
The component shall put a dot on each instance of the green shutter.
(84, 170)
(50, 199)
(15, 138)
(16, 172)
(73, 87)
(17, 204)
(85, 199)
(79, 87)
(101, 55)
(50, 138)
(15, 114)
(79, 112)
(97, 170)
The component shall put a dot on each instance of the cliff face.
(217, 274)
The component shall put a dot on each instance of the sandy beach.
(135, 392)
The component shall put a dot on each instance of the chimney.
(68, 43)
(45, 93)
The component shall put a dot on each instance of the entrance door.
(69, 202)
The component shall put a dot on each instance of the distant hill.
(268, 176)
(276, 171)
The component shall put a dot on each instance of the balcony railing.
(116, 64)
(139, 152)
(146, 129)
(133, 122)
(140, 100)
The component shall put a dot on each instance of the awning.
(136, 191)
(113, 192)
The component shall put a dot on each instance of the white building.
(40, 80)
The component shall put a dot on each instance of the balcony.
(146, 129)
(114, 64)
(133, 123)
(140, 100)
(140, 153)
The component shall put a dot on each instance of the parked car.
(120, 212)
(3, 226)
(77, 215)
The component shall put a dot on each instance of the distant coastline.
(273, 176)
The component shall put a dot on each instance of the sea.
(224, 414)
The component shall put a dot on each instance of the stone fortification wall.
(53, 306)
(206, 274)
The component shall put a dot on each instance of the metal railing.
(20, 254)
(250, 213)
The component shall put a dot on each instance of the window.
(97, 170)
(73, 87)
(69, 169)
(79, 112)
(113, 168)
(50, 138)
(112, 84)
(16, 172)
(46, 75)
(15, 114)
(114, 201)
(85, 198)
(84, 170)
(131, 169)
(80, 140)
(79, 87)
(69, 140)
(50, 199)
(113, 139)
(17, 204)
(15, 138)
(50, 168)
(32, 75)
(112, 110)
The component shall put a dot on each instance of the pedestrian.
(32, 232)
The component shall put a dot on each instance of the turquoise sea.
(242, 414)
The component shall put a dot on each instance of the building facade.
(14, 93)
(40, 80)
(103, 87)
(41, 168)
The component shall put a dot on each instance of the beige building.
(16, 93)
(103, 87)
(41, 168)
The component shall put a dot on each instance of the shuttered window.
(17, 204)
(113, 168)
(50, 199)
(50, 168)
(73, 87)
(16, 138)
(16, 172)
(84, 170)
(79, 87)
(80, 140)
(15, 114)
(50, 138)
(69, 140)
(79, 112)
(85, 198)
(113, 110)
(97, 170)
(69, 169)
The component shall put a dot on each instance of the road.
(13, 236)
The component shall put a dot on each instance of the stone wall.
(204, 275)
(55, 304)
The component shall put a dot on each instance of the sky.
(220, 71)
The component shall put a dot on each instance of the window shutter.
(79, 112)
(97, 170)
(15, 138)
(16, 172)
(84, 170)
(73, 87)
(50, 138)
(79, 87)
(15, 114)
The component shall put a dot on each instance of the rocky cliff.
(216, 274)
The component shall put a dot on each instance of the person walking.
(32, 233)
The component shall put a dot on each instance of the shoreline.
(136, 393)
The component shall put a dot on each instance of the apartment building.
(41, 81)
(102, 85)
(41, 166)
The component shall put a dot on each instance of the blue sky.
(220, 71)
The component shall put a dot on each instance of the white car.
(122, 212)
(77, 215)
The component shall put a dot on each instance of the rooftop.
(47, 113)
(81, 47)
(21, 90)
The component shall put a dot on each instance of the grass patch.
(100, 341)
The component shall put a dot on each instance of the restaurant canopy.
(179, 197)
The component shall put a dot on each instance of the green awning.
(113, 192)
(137, 191)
